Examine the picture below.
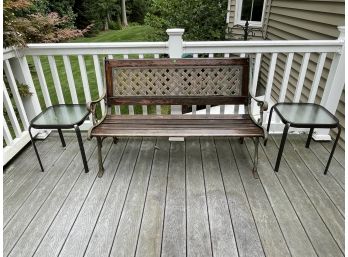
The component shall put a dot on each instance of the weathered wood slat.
(198, 230)
(78, 238)
(246, 234)
(103, 235)
(327, 182)
(60, 227)
(53, 191)
(326, 208)
(174, 227)
(294, 235)
(16, 197)
(126, 238)
(316, 229)
(272, 239)
(221, 227)
(150, 234)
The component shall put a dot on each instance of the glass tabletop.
(305, 114)
(63, 115)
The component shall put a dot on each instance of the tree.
(25, 22)
(124, 13)
(201, 19)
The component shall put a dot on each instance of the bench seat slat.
(175, 125)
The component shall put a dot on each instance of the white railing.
(55, 73)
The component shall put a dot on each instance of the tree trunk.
(106, 24)
(124, 16)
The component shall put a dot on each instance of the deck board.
(160, 198)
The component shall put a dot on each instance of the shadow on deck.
(157, 198)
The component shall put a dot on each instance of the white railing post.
(22, 74)
(334, 86)
(175, 50)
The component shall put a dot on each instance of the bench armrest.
(91, 106)
(263, 107)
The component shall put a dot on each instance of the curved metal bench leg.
(100, 158)
(333, 149)
(256, 157)
(241, 140)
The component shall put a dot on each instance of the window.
(250, 10)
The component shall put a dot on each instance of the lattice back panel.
(178, 81)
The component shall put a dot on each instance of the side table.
(61, 116)
(304, 115)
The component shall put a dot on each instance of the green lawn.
(131, 33)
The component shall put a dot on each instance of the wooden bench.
(177, 82)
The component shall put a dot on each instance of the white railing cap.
(175, 32)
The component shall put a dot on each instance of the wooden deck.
(156, 198)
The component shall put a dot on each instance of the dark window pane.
(246, 10)
(252, 10)
(257, 10)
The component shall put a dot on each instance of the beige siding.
(295, 19)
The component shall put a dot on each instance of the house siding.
(300, 20)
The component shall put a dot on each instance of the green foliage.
(201, 19)
(137, 9)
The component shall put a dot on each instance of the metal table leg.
(269, 123)
(333, 149)
(61, 137)
(309, 137)
(37, 153)
(82, 150)
(282, 144)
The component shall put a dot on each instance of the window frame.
(238, 14)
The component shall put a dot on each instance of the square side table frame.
(311, 126)
(75, 125)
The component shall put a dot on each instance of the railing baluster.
(7, 134)
(141, 56)
(84, 77)
(242, 55)
(301, 78)
(270, 77)
(110, 56)
(211, 55)
(70, 77)
(222, 109)
(194, 109)
(144, 107)
(207, 109)
(317, 76)
(42, 81)
(256, 73)
(11, 113)
(56, 80)
(130, 109)
(156, 56)
(226, 55)
(195, 55)
(125, 56)
(286, 75)
(99, 79)
(14, 89)
(158, 109)
(117, 109)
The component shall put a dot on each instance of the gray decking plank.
(102, 238)
(336, 169)
(328, 182)
(247, 237)
(270, 233)
(326, 208)
(294, 234)
(320, 236)
(198, 234)
(77, 241)
(24, 190)
(126, 237)
(30, 165)
(150, 236)
(221, 228)
(49, 196)
(174, 228)
(339, 152)
(65, 218)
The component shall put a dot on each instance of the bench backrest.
(177, 81)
